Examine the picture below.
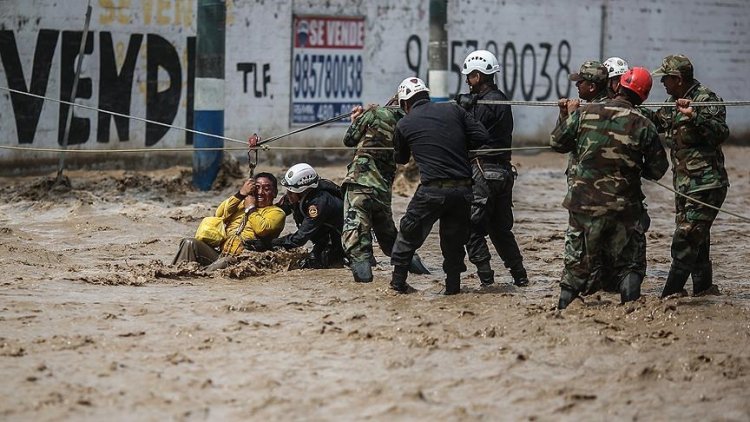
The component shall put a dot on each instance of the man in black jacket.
(439, 137)
(493, 174)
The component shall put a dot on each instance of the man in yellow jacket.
(249, 214)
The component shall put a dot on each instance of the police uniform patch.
(312, 211)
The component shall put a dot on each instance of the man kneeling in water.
(249, 215)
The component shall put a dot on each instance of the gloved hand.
(466, 101)
(257, 245)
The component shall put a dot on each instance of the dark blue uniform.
(439, 136)
(491, 211)
(320, 219)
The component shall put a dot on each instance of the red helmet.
(638, 80)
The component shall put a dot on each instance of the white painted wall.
(714, 34)
(24, 22)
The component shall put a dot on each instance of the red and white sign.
(327, 67)
(329, 32)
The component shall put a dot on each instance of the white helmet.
(615, 66)
(411, 86)
(299, 178)
(481, 60)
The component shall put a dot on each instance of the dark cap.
(675, 64)
(592, 71)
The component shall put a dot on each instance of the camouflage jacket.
(572, 157)
(373, 168)
(615, 146)
(697, 159)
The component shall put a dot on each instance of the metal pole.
(69, 117)
(209, 90)
(437, 51)
(603, 33)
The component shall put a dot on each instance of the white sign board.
(327, 67)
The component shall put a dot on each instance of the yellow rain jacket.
(262, 222)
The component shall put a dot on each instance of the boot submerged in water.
(486, 278)
(398, 279)
(703, 282)
(566, 298)
(485, 274)
(675, 281)
(452, 284)
(362, 271)
(520, 278)
(630, 287)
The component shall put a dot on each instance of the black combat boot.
(630, 287)
(675, 281)
(485, 274)
(362, 271)
(703, 279)
(566, 297)
(416, 266)
(398, 279)
(452, 284)
(520, 278)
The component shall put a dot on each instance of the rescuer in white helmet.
(318, 211)
(493, 174)
(439, 136)
(616, 67)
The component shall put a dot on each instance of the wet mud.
(94, 323)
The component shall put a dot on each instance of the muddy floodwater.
(94, 325)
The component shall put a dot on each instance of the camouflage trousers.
(601, 251)
(367, 210)
(691, 242)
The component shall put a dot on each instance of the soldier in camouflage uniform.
(616, 67)
(591, 81)
(367, 186)
(616, 146)
(695, 135)
(597, 82)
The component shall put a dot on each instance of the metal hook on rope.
(252, 143)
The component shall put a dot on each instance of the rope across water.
(263, 144)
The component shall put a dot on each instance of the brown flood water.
(94, 325)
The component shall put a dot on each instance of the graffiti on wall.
(261, 74)
(115, 85)
(528, 72)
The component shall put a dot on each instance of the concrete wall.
(138, 61)
(135, 63)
